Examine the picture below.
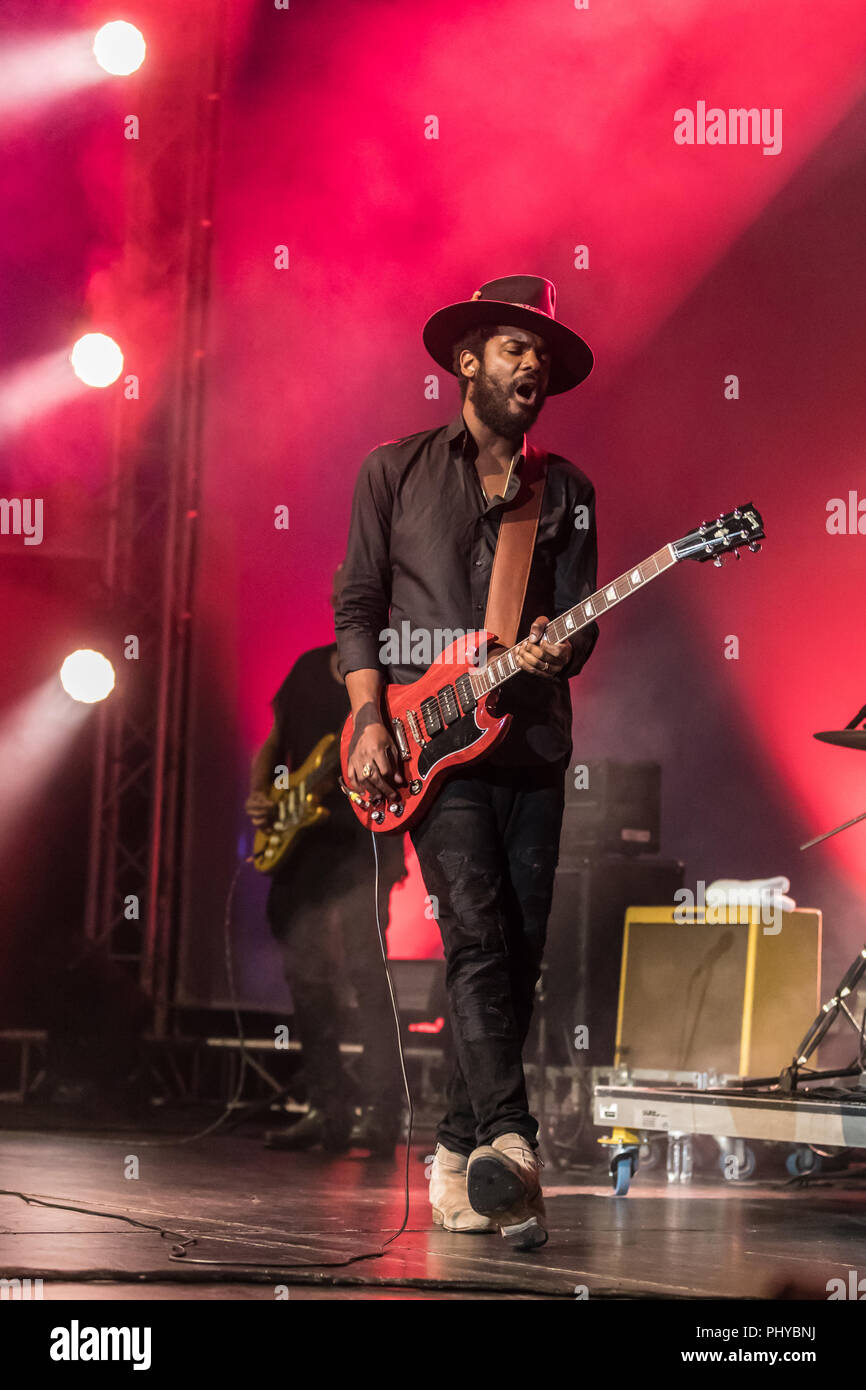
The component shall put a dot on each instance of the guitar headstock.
(713, 540)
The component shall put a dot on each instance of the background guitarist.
(320, 907)
(424, 524)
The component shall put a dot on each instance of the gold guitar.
(298, 806)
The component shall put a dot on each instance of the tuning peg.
(719, 561)
(736, 554)
(754, 545)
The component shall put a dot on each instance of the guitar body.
(298, 806)
(458, 731)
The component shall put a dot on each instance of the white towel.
(757, 891)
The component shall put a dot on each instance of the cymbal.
(844, 738)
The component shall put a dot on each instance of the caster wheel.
(802, 1161)
(622, 1173)
(742, 1171)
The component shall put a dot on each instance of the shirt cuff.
(582, 645)
(358, 651)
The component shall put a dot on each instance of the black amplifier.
(611, 808)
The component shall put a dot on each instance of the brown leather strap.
(514, 546)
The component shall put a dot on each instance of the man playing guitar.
(321, 911)
(425, 520)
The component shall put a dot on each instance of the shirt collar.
(457, 432)
(456, 427)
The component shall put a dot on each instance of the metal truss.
(136, 820)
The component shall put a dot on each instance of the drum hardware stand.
(789, 1078)
(818, 1030)
(852, 736)
(827, 833)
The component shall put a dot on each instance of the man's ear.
(468, 363)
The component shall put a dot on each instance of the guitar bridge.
(400, 736)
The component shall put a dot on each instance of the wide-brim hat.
(521, 301)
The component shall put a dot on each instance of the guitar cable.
(178, 1252)
(183, 1242)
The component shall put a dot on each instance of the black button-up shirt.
(418, 564)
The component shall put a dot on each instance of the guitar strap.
(514, 546)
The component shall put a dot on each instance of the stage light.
(35, 735)
(96, 359)
(32, 388)
(87, 676)
(119, 48)
(38, 71)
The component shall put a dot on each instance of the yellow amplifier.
(717, 989)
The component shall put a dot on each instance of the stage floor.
(253, 1206)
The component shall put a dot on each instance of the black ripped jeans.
(488, 849)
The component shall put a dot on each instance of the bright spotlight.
(87, 676)
(119, 48)
(96, 359)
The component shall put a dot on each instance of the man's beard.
(491, 405)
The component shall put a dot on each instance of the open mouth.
(526, 392)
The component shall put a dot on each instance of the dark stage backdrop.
(403, 154)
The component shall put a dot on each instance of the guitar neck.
(504, 666)
(329, 765)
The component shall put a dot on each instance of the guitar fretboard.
(567, 624)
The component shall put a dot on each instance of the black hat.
(524, 301)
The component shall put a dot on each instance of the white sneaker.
(503, 1182)
(451, 1208)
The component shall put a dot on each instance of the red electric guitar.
(448, 717)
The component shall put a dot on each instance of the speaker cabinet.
(717, 990)
(618, 811)
(584, 948)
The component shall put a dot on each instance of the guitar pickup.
(432, 715)
(463, 686)
(448, 704)
(414, 728)
(400, 736)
